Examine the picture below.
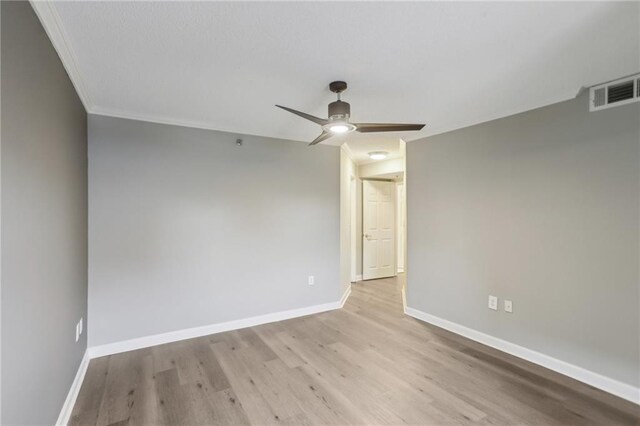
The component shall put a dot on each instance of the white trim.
(404, 299)
(353, 221)
(529, 106)
(116, 113)
(345, 296)
(67, 407)
(174, 336)
(348, 151)
(50, 20)
(358, 278)
(612, 386)
(190, 333)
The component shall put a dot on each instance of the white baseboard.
(612, 386)
(174, 336)
(67, 407)
(345, 296)
(358, 278)
(190, 333)
(400, 270)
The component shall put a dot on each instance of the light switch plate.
(312, 280)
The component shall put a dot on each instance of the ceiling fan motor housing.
(339, 110)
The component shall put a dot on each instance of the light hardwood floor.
(367, 363)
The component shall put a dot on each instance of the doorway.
(373, 200)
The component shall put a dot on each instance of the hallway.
(367, 363)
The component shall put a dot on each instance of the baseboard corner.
(345, 296)
(69, 402)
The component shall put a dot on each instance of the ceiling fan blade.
(323, 137)
(317, 120)
(386, 127)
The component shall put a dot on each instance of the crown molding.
(52, 23)
(128, 115)
(564, 96)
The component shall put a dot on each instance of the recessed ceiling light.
(378, 155)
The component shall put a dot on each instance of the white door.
(378, 229)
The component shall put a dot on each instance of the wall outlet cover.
(78, 329)
(508, 306)
(493, 303)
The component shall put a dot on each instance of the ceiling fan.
(338, 121)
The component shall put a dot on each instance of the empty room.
(319, 213)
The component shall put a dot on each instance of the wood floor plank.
(173, 400)
(367, 363)
(254, 403)
(126, 374)
(87, 406)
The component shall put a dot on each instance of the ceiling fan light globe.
(339, 127)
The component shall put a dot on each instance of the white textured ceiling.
(224, 65)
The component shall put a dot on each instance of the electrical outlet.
(493, 303)
(78, 329)
(508, 306)
(311, 280)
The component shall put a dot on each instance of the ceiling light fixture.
(339, 126)
(338, 121)
(378, 155)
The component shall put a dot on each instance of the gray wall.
(44, 222)
(187, 229)
(540, 208)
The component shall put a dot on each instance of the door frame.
(353, 221)
(400, 223)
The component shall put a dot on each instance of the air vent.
(620, 92)
(600, 97)
(614, 93)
